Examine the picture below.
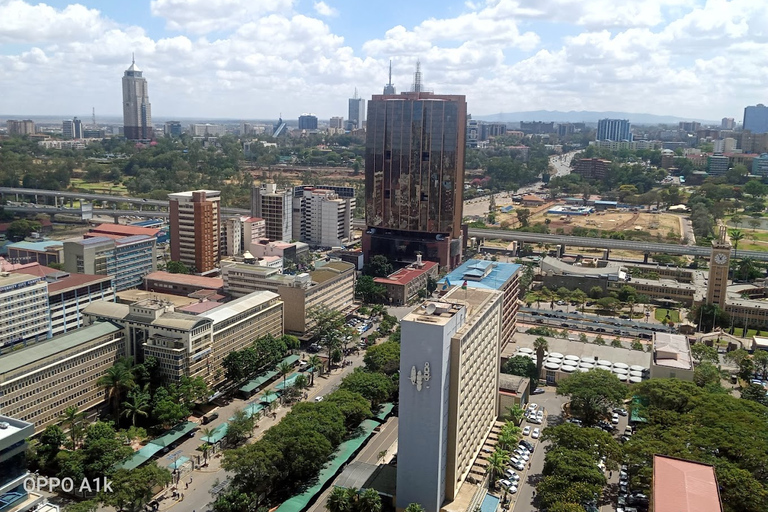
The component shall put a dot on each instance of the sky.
(258, 59)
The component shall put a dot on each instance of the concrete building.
(38, 382)
(190, 344)
(207, 130)
(16, 127)
(276, 208)
(719, 261)
(490, 275)
(13, 461)
(181, 284)
(127, 259)
(307, 122)
(671, 357)
(321, 217)
(295, 252)
(43, 252)
(137, 111)
(760, 165)
(195, 226)
(120, 230)
(684, 486)
(356, 117)
(239, 233)
(68, 294)
(336, 123)
(726, 145)
(24, 306)
(172, 129)
(72, 129)
(717, 165)
(331, 284)
(592, 168)
(414, 205)
(513, 390)
(614, 130)
(756, 118)
(403, 285)
(448, 393)
(727, 123)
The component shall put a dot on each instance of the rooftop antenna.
(417, 77)
(390, 73)
(355, 96)
(389, 88)
(133, 58)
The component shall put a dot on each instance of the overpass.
(86, 213)
(65, 194)
(600, 243)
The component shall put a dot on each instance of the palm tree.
(284, 369)
(71, 419)
(205, 448)
(338, 500)
(368, 500)
(115, 380)
(512, 430)
(507, 440)
(541, 346)
(414, 507)
(137, 404)
(317, 366)
(515, 413)
(267, 397)
(736, 237)
(496, 464)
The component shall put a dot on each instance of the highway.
(99, 197)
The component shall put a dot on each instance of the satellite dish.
(431, 308)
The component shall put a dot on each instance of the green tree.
(636, 345)
(177, 267)
(132, 490)
(378, 266)
(540, 345)
(706, 374)
(284, 369)
(20, 229)
(760, 358)
(138, 404)
(704, 353)
(329, 327)
(73, 421)
(496, 464)
(515, 414)
(315, 365)
(414, 507)
(595, 292)
(375, 387)
(354, 406)
(592, 393)
(736, 236)
(384, 358)
(616, 342)
(523, 216)
(240, 427)
(595, 442)
(523, 367)
(579, 297)
(116, 381)
(369, 291)
(756, 393)
(339, 500)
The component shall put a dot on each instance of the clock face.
(721, 258)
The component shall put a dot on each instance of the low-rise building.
(403, 285)
(289, 251)
(684, 486)
(38, 382)
(44, 252)
(671, 357)
(592, 168)
(331, 284)
(24, 306)
(513, 390)
(127, 259)
(121, 230)
(181, 284)
(532, 200)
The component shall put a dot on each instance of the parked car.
(505, 483)
(615, 419)
(620, 412)
(536, 433)
(527, 431)
(537, 391)
(530, 446)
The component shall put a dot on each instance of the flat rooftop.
(407, 274)
(684, 486)
(124, 230)
(434, 312)
(211, 283)
(132, 296)
(41, 246)
(484, 274)
(672, 350)
(576, 348)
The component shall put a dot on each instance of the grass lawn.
(102, 187)
(661, 313)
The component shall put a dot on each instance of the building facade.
(172, 129)
(671, 357)
(14, 496)
(356, 117)
(614, 129)
(404, 285)
(321, 217)
(756, 118)
(592, 168)
(195, 229)
(276, 208)
(137, 111)
(72, 129)
(414, 177)
(44, 252)
(719, 261)
(307, 122)
(24, 306)
(760, 165)
(39, 382)
(448, 393)
(239, 233)
(336, 123)
(16, 127)
(127, 259)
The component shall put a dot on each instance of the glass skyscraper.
(137, 111)
(615, 130)
(756, 118)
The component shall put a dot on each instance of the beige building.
(718, 272)
(331, 284)
(189, 344)
(24, 307)
(448, 393)
(276, 208)
(37, 383)
(671, 357)
(404, 284)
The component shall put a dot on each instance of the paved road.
(561, 163)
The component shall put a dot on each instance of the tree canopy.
(592, 393)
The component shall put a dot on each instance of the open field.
(661, 313)
(101, 187)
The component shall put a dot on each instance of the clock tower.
(719, 263)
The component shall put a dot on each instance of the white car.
(511, 475)
(532, 407)
(524, 456)
(527, 431)
(512, 489)
(536, 433)
(519, 466)
(539, 415)
(505, 483)
(615, 419)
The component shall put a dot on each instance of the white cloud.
(323, 9)
(205, 16)
(26, 23)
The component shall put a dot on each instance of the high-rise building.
(307, 122)
(276, 208)
(756, 118)
(727, 123)
(449, 361)
(688, 126)
(173, 129)
(195, 229)
(719, 262)
(336, 123)
(24, 306)
(128, 259)
(25, 127)
(137, 112)
(389, 89)
(239, 233)
(614, 129)
(72, 129)
(414, 177)
(321, 217)
(356, 117)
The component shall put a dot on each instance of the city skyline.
(237, 59)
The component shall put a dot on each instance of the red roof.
(405, 275)
(684, 486)
(64, 283)
(533, 198)
(123, 230)
(212, 283)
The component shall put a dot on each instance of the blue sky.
(254, 59)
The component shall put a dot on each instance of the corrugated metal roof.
(240, 305)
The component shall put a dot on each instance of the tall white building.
(23, 308)
(449, 359)
(137, 112)
(322, 217)
(276, 208)
(240, 232)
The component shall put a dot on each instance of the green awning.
(259, 381)
(141, 456)
(386, 410)
(178, 462)
(217, 434)
(293, 359)
(272, 398)
(288, 382)
(175, 434)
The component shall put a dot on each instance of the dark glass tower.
(414, 177)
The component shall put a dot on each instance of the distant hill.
(584, 116)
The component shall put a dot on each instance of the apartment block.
(68, 294)
(322, 217)
(38, 382)
(403, 285)
(24, 306)
(331, 284)
(276, 208)
(592, 168)
(448, 393)
(127, 259)
(239, 233)
(182, 284)
(16, 127)
(195, 226)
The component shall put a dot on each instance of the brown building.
(414, 177)
(404, 284)
(121, 230)
(532, 200)
(195, 226)
(684, 486)
(592, 168)
(181, 284)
